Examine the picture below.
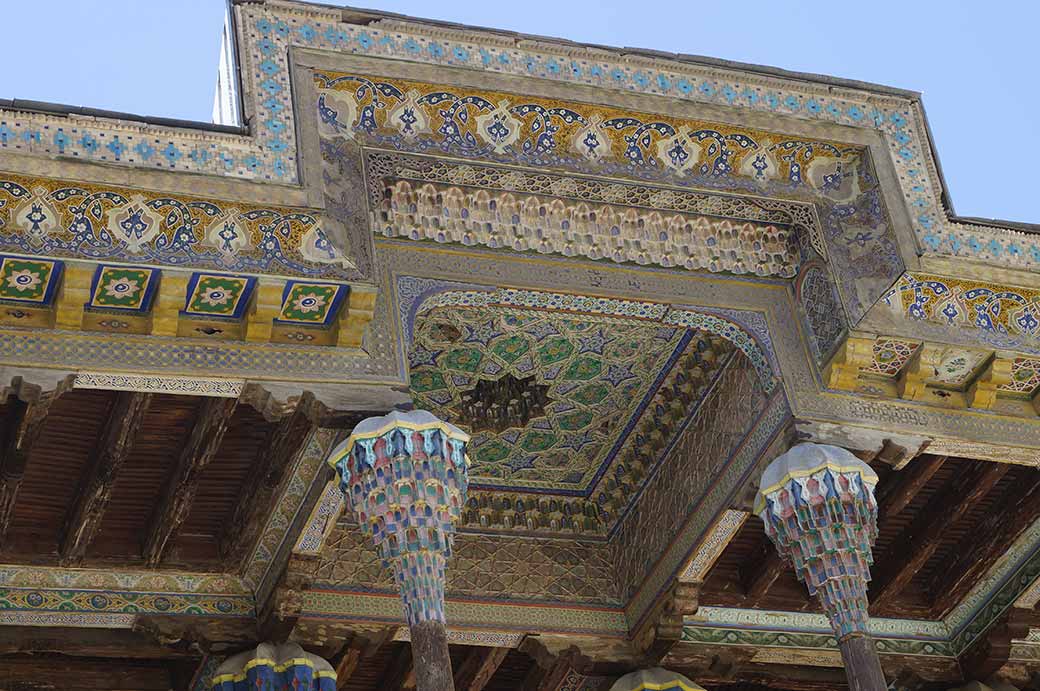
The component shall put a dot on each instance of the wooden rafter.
(901, 490)
(113, 448)
(1017, 509)
(763, 571)
(918, 542)
(21, 430)
(401, 672)
(555, 675)
(478, 668)
(347, 665)
(549, 671)
(283, 443)
(211, 422)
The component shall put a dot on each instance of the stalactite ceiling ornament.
(270, 666)
(656, 679)
(817, 503)
(593, 381)
(405, 477)
(575, 216)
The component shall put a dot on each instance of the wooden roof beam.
(1016, 510)
(89, 674)
(762, 572)
(347, 665)
(478, 668)
(111, 452)
(401, 672)
(906, 484)
(211, 422)
(918, 542)
(21, 430)
(94, 642)
(284, 441)
(549, 671)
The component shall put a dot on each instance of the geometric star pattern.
(600, 371)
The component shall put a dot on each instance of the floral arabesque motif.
(50, 217)
(538, 131)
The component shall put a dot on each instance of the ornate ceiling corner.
(666, 500)
(460, 339)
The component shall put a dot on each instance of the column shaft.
(862, 665)
(430, 657)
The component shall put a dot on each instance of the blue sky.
(975, 63)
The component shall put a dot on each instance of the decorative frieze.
(712, 546)
(618, 233)
(854, 232)
(1004, 316)
(71, 220)
(488, 639)
(188, 386)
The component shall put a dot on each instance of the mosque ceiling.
(564, 396)
(601, 374)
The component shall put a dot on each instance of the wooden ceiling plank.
(283, 444)
(478, 668)
(348, 664)
(113, 448)
(211, 422)
(555, 676)
(95, 642)
(21, 430)
(762, 572)
(549, 671)
(914, 547)
(84, 674)
(401, 673)
(906, 484)
(1014, 511)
